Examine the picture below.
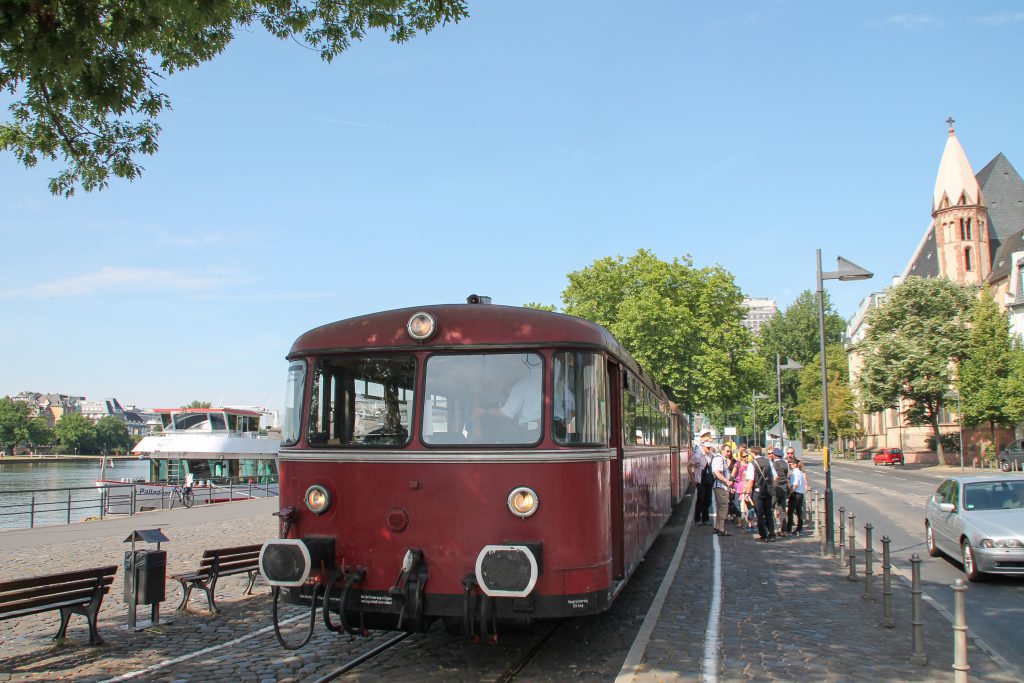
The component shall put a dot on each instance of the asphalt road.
(893, 500)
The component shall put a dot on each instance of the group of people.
(755, 488)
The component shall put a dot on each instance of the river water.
(19, 479)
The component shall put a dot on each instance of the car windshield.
(994, 495)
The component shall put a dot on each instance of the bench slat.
(57, 578)
(43, 608)
(80, 598)
(54, 590)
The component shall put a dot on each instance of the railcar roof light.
(523, 501)
(317, 499)
(421, 326)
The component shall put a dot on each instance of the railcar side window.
(483, 399)
(580, 398)
(294, 389)
(362, 401)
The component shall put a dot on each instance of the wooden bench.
(78, 592)
(216, 563)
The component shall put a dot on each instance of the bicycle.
(184, 495)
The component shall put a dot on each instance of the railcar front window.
(580, 398)
(294, 389)
(362, 401)
(483, 399)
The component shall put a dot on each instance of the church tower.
(960, 218)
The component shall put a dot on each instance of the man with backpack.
(781, 488)
(764, 489)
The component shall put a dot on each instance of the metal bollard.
(918, 655)
(819, 524)
(852, 553)
(842, 536)
(868, 550)
(960, 666)
(887, 620)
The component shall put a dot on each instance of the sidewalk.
(789, 615)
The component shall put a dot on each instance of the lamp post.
(779, 367)
(845, 270)
(754, 395)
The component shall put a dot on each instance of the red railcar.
(478, 463)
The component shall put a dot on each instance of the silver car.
(980, 520)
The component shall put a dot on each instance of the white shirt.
(798, 481)
(524, 401)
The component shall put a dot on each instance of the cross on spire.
(950, 121)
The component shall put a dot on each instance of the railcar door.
(617, 512)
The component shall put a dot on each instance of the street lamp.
(779, 367)
(845, 270)
(754, 395)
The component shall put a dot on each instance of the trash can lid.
(147, 535)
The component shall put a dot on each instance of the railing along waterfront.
(28, 508)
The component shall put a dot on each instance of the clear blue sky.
(496, 156)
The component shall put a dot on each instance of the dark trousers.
(702, 514)
(765, 518)
(796, 507)
(721, 507)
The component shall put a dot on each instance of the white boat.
(219, 452)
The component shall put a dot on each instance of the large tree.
(75, 433)
(1014, 385)
(112, 434)
(912, 345)
(843, 418)
(14, 424)
(85, 73)
(681, 323)
(986, 365)
(795, 334)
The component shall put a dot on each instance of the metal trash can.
(151, 568)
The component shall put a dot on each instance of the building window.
(967, 259)
(963, 234)
(969, 229)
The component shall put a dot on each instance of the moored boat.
(218, 454)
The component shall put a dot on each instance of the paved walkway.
(786, 614)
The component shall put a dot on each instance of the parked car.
(888, 456)
(980, 521)
(1012, 457)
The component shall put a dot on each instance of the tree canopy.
(14, 423)
(985, 368)
(75, 433)
(913, 342)
(112, 435)
(681, 323)
(843, 418)
(85, 74)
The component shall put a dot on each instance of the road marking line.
(634, 658)
(713, 632)
(200, 653)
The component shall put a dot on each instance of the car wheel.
(929, 540)
(970, 569)
(876, 463)
(1004, 465)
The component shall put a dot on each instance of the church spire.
(955, 184)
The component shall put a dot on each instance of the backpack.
(706, 474)
(761, 475)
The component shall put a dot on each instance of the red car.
(888, 456)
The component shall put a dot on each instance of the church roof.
(1002, 264)
(955, 183)
(925, 261)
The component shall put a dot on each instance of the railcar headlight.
(317, 499)
(421, 326)
(523, 501)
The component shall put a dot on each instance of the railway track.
(513, 670)
(363, 658)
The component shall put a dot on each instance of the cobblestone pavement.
(788, 614)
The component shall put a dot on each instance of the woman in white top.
(797, 489)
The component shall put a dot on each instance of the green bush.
(950, 442)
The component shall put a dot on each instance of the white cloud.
(1002, 18)
(112, 278)
(912, 21)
